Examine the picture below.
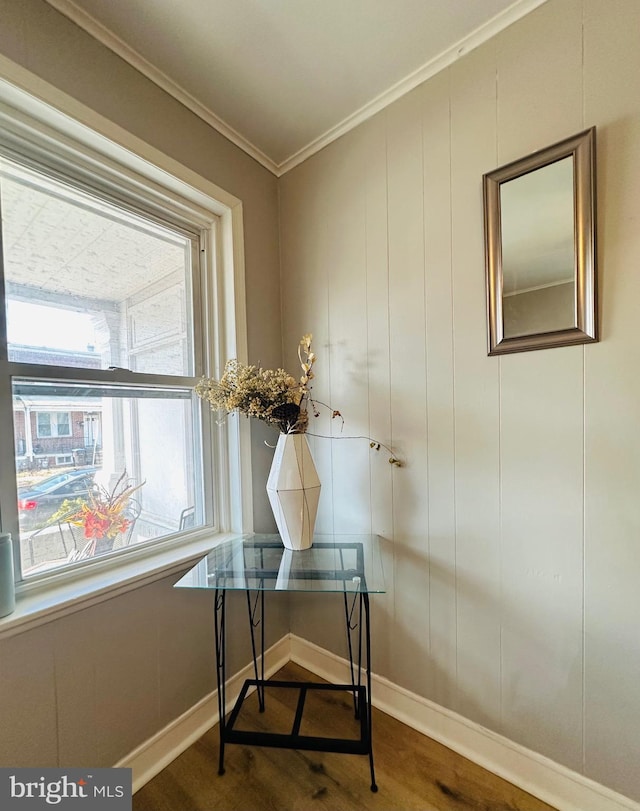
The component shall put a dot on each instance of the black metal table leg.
(254, 621)
(353, 624)
(350, 627)
(219, 617)
(365, 601)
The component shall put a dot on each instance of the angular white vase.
(293, 488)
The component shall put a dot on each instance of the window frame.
(111, 158)
(57, 425)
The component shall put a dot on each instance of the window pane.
(90, 284)
(63, 424)
(130, 469)
(44, 423)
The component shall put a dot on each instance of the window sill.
(40, 605)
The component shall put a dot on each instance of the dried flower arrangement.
(273, 395)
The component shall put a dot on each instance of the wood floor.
(412, 771)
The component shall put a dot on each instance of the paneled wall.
(90, 687)
(512, 529)
(87, 688)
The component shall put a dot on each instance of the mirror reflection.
(538, 285)
(539, 215)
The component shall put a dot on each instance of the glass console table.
(348, 564)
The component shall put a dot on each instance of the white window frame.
(74, 133)
(51, 425)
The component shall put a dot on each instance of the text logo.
(64, 789)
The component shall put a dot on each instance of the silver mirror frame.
(582, 148)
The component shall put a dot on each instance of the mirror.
(539, 215)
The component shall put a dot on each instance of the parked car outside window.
(36, 504)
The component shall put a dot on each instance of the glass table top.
(347, 563)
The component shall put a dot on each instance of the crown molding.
(110, 40)
(510, 15)
(464, 46)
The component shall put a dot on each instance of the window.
(107, 283)
(52, 423)
(91, 284)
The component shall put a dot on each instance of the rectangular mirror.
(539, 218)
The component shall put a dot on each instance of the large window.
(100, 344)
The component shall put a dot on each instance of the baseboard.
(551, 782)
(544, 778)
(148, 759)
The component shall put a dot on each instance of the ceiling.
(283, 78)
(60, 245)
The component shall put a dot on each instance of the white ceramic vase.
(293, 488)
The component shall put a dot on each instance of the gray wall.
(513, 528)
(87, 688)
(513, 574)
